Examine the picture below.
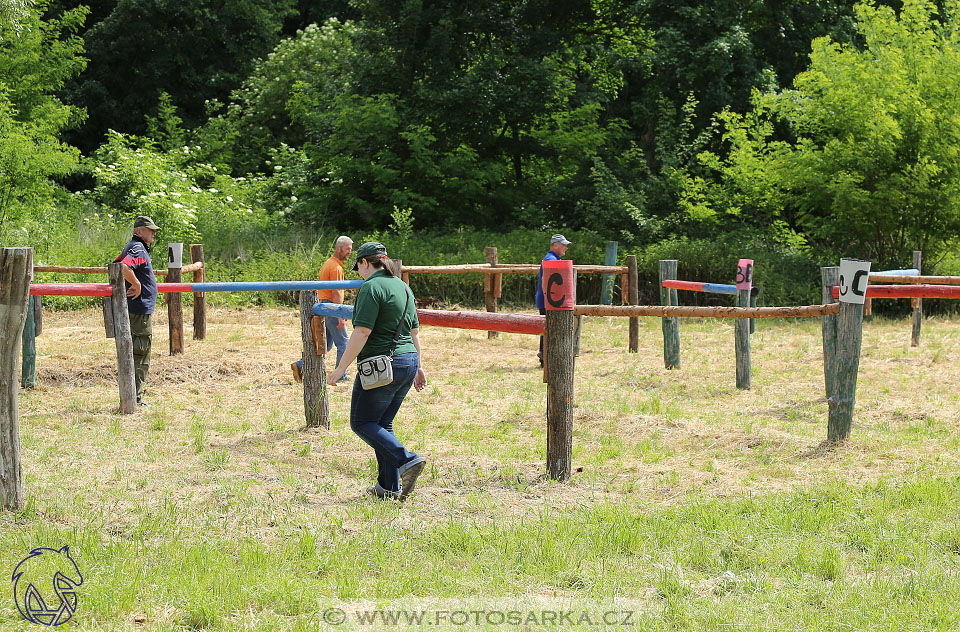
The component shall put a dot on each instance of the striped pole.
(103, 289)
(499, 321)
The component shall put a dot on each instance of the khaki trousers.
(142, 333)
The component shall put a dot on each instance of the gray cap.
(560, 239)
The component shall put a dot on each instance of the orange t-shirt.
(332, 270)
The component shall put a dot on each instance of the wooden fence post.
(853, 288)
(609, 259)
(577, 324)
(741, 327)
(38, 314)
(670, 326)
(917, 303)
(489, 291)
(108, 326)
(830, 277)
(634, 299)
(28, 369)
(559, 347)
(199, 298)
(121, 322)
(174, 300)
(315, 405)
(16, 272)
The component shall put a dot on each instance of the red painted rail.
(70, 289)
(95, 289)
(908, 291)
(485, 321)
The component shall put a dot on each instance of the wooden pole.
(38, 314)
(559, 348)
(670, 326)
(577, 324)
(318, 330)
(753, 303)
(199, 299)
(315, 406)
(121, 321)
(108, 325)
(849, 339)
(634, 299)
(489, 293)
(829, 276)
(609, 259)
(917, 304)
(175, 314)
(28, 369)
(742, 342)
(16, 272)
(624, 288)
(692, 311)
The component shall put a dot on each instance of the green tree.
(469, 113)
(872, 169)
(36, 58)
(706, 56)
(258, 119)
(194, 50)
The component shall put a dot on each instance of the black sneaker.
(409, 472)
(384, 494)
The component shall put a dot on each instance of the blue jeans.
(371, 417)
(336, 336)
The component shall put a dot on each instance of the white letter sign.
(854, 274)
(174, 255)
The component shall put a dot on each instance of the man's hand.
(339, 323)
(134, 290)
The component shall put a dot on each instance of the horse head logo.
(44, 586)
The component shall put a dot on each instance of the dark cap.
(560, 239)
(144, 222)
(369, 249)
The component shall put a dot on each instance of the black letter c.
(555, 279)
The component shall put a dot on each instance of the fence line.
(193, 267)
(907, 291)
(691, 311)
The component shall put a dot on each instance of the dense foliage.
(793, 131)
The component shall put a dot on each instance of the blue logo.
(44, 586)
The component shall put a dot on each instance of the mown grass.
(696, 506)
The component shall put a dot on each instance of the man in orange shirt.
(332, 270)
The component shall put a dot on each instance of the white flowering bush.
(186, 199)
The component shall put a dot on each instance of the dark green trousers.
(142, 333)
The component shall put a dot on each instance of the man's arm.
(134, 290)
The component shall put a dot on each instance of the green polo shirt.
(378, 307)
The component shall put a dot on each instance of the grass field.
(694, 506)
